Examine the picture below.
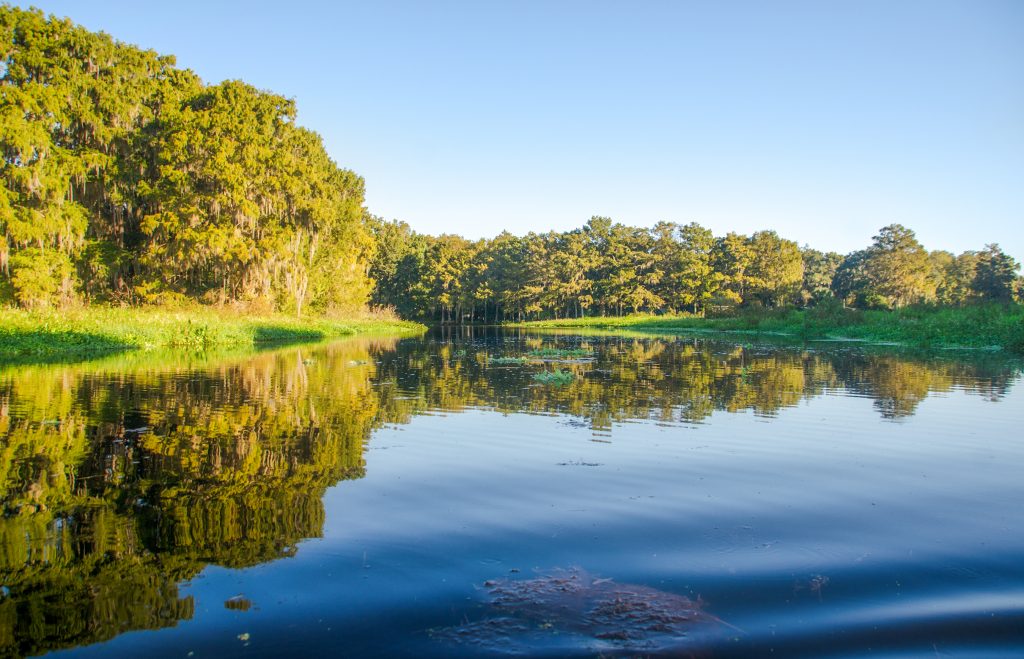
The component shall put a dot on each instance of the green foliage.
(976, 326)
(502, 361)
(43, 335)
(140, 184)
(555, 378)
(819, 271)
(41, 279)
(608, 270)
(605, 267)
(953, 277)
(126, 179)
(776, 269)
(898, 268)
(560, 353)
(995, 274)
(893, 272)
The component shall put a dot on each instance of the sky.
(822, 120)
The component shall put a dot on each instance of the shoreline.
(28, 336)
(985, 328)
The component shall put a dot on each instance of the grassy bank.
(96, 330)
(991, 326)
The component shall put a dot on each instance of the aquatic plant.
(560, 353)
(508, 360)
(556, 377)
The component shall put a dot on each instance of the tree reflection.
(122, 478)
(118, 484)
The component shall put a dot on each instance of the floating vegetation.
(570, 606)
(560, 353)
(460, 353)
(556, 377)
(509, 360)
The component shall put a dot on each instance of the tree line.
(606, 268)
(127, 179)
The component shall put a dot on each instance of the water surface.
(411, 497)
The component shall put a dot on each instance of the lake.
(424, 497)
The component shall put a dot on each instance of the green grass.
(982, 326)
(47, 335)
(557, 377)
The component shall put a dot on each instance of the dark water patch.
(531, 615)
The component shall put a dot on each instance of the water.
(410, 498)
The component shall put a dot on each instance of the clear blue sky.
(823, 120)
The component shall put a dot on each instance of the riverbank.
(989, 326)
(45, 335)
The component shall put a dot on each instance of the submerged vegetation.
(607, 615)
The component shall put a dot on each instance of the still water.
(386, 497)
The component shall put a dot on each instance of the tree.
(445, 263)
(733, 258)
(953, 276)
(819, 271)
(897, 267)
(995, 274)
(153, 184)
(850, 282)
(776, 269)
(41, 278)
(694, 276)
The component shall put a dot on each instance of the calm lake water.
(384, 497)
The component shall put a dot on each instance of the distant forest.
(127, 180)
(607, 268)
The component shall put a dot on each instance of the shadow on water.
(35, 346)
(280, 334)
(123, 477)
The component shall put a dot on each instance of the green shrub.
(41, 279)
